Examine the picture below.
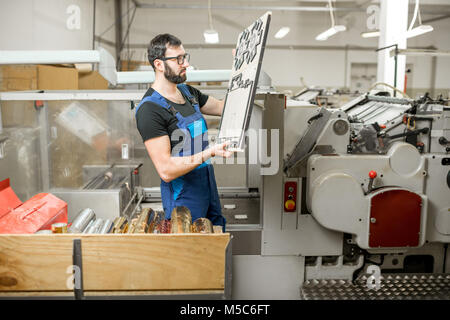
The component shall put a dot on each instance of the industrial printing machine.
(374, 175)
(354, 203)
(349, 189)
(366, 184)
(325, 98)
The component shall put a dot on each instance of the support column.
(433, 77)
(118, 15)
(393, 25)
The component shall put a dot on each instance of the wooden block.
(114, 262)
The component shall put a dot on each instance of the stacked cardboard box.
(46, 77)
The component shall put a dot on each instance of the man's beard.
(172, 76)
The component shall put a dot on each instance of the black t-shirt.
(155, 121)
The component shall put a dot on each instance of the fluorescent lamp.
(423, 28)
(370, 34)
(282, 32)
(211, 36)
(330, 32)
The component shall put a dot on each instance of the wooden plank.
(34, 262)
(49, 294)
(114, 262)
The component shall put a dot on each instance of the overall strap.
(155, 97)
(185, 91)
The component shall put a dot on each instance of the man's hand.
(221, 150)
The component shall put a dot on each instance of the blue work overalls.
(197, 190)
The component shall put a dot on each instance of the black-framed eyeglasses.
(180, 58)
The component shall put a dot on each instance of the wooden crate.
(33, 265)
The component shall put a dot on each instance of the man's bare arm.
(169, 167)
(213, 107)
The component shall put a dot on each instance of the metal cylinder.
(82, 220)
(181, 220)
(202, 225)
(107, 225)
(95, 227)
(88, 226)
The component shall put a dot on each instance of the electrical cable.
(445, 256)
(416, 9)
(93, 26)
(388, 85)
(331, 13)
(114, 23)
(128, 30)
(210, 16)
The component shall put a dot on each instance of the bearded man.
(170, 121)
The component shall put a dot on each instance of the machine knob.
(372, 174)
(289, 204)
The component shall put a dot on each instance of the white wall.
(41, 24)
(287, 66)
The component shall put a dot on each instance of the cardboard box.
(37, 213)
(37, 77)
(92, 81)
(18, 77)
(132, 65)
(57, 78)
(47, 77)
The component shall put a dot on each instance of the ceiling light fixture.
(421, 29)
(370, 34)
(417, 31)
(334, 28)
(282, 32)
(210, 35)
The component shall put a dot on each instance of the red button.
(289, 205)
(372, 174)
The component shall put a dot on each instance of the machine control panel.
(290, 196)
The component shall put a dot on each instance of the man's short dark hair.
(158, 46)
